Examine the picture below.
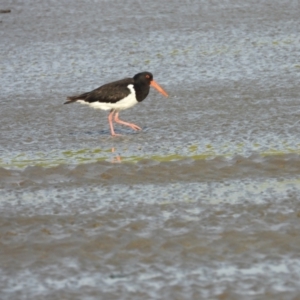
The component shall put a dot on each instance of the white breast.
(122, 104)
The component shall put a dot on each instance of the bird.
(119, 95)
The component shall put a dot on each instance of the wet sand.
(203, 203)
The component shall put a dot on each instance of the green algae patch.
(85, 155)
(193, 148)
(167, 158)
(273, 152)
(72, 153)
(174, 52)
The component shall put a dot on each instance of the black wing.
(110, 93)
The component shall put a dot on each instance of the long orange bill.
(159, 88)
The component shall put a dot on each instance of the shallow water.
(203, 203)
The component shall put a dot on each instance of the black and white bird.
(119, 95)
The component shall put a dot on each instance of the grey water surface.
(203, 203)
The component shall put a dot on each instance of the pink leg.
(110, 117)
(131, 125)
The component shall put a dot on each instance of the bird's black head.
(144, 77)
(142, 83)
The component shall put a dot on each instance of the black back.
(117, 90)
(110, 92)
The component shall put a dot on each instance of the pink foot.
(131, 125)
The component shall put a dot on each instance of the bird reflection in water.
(115, 159)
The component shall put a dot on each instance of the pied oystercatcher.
(119, 95)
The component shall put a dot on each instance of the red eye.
(147, 76)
